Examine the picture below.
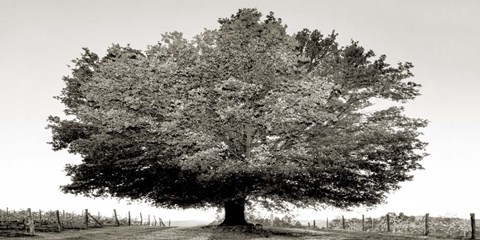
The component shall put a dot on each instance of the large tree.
(244, 113)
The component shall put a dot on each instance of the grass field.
(197, 233)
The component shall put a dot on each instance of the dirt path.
(157, 233)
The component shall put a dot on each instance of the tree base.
(234, 224)
(234, 213)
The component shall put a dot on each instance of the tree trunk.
(234, 213)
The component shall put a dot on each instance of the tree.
(244, 113)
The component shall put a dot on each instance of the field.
(64, 225)
(447, 227)
(207, 233)
(55, 221)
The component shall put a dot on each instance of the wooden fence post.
(86, 218)
(6, 216)
(392, 223)
(59, 224)
(426, 224)
(326, 223)
(169, 223)
(314, 224)
(472, 222)
(96, 221)
(30, 222)
(148, 220)
(141, 219)
(40, 216)
(129, 220)
(116, 218)
(373, 224)
(363, 223)
(388, 222)
(160, 222)
(308, 225)
(343, 222)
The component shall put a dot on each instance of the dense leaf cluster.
(242, 112)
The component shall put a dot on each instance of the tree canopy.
(245, 112)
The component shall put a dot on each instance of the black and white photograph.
(254, 119)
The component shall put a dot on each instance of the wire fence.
(451, 227)
(56, 221)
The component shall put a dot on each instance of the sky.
(38, 39)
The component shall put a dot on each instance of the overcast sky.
(441, 38)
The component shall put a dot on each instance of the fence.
(416, 225)
(56, 221)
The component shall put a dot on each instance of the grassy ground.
(210, 233)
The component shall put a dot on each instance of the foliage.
(252, 216)
(287, 220)
(13, 215)
(48, 219)
(400, 223)
(245, 111)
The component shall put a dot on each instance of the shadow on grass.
(14, 234)
(236, 233)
